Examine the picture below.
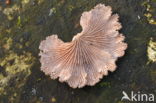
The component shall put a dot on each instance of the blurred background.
(24, 23)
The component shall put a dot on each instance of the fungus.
(90, 54)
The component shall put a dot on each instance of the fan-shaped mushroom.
(91, 53)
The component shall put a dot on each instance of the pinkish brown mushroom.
(91, 53)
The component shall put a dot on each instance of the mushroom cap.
(91, 53)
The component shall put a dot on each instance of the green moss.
(150, 11)
(14, 64)
(24, 2)
(52, 11)
(15, 67)
(19, 21)
(9, 12)
(120, 102)
(53, 99)
(151, 50)
(8, 43)
(16, 72)
(105, 84)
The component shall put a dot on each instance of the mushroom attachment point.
(91, 53)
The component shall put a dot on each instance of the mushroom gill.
(91, 53)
